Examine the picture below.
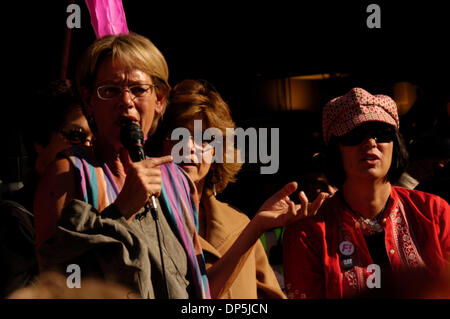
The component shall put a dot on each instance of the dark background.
(236, 45)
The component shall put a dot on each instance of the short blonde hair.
(132, 50)
(190, 98)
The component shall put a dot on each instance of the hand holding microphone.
(143, 175)
(148, 173)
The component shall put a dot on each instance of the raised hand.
(280, 210)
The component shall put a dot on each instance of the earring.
(214, 190)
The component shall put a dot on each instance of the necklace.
(369, 226)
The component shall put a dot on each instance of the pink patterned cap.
(344, 113)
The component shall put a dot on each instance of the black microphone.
(132, 137)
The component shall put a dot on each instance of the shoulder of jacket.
(416, 195)
(235, 213)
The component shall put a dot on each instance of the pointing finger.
(156, 161)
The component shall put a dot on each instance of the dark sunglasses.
(380, 132)
(75, 136)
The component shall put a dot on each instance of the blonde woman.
(91, 206)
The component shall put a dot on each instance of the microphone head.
(131, 135)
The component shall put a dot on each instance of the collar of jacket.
(223, 223)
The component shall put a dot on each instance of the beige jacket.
(224, 224)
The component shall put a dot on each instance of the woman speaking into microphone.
(92, 205)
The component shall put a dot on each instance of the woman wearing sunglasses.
(370, 230)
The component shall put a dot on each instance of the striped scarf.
(185, 216)
(100, 190)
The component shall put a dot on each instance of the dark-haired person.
(57, 123)
(429, 168)
(369, 230)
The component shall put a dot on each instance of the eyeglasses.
(206, 143)
(204, 146)
(109, 92)
(75, 136)
(380, 132)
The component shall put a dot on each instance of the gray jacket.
(107, 246)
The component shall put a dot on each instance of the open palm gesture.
(280, 210)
